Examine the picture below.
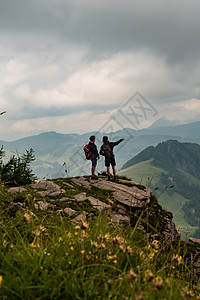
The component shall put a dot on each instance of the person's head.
(105, 139)
(92, 138)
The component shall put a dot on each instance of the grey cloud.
(170, 28)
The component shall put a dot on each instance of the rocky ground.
(125, 202)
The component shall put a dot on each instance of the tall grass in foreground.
(46, 257)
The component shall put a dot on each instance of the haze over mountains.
(53, 149)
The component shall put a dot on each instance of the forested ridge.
(182, 163)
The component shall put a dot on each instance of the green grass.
(44, 256)
(144, 172)
(147, 174)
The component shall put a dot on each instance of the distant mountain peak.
(163, 122)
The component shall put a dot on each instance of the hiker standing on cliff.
(107, 151)
(94, 156)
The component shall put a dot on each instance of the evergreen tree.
(17, 170)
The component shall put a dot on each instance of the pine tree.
(17, 170)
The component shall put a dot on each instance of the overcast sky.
(70, 65)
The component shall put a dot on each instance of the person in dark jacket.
(95, 155)
(107, 151)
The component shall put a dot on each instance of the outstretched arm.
(116, 143)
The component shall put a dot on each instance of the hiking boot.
(108, 179)
(116, 179)
(94, 178)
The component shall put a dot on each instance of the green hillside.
(171, 170)
(146, 173)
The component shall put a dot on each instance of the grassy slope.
(146, 173)
(44, 256)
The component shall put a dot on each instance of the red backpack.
(88, 153)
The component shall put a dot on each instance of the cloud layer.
(63, 62)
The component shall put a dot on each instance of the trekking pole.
(64, 164)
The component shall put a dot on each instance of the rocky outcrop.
(125, 202)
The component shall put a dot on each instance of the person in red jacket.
(107, 151)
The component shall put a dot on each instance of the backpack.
(107, 150)
(88, 153)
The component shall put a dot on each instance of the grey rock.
(82, 182)
(43, 193)
(16, 190)
(80, 197)
(69, 185)
(46, 185)
(70, 211)
(77, 220)
(119, 219)
(57, 193)
(36, 205)
(64, 199)
(43, 205)
(128, 196)
(99, 205)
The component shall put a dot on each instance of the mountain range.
(53, 149)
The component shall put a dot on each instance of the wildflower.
(107, 236)
(158, 282)
(33, 245)
(82, 251)
(84, 224)
(1, 279)
(95, 244)
(131, 275)
(42, 228)
(122, 247)
(27, 217)
(110, 257)
(187, 293)
(130, 250)
(60, 238)
(118, 240)
(142, 254)
(69, 234)
(72, 248)
(151, 255)
(5, 243)
(156, 244)
(77, 227)
(38, 231)
(84, 233)
(148, 276)
(177, 258)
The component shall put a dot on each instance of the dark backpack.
(88, 153)
(107, 150)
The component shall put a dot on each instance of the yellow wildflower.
(72, 248)
(151, 255)
(177, 258)
(82, 251)
(1, 279)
